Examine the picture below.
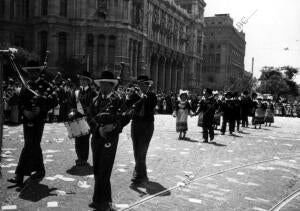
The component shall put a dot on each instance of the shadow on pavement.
(150, 187)
(217, 144)
(36, 191)
(80, 170)
(188, 139)
(273, 126)
(242, 132)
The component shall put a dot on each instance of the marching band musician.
(206, 110)
(142, 127)
(34, 110)
(81, 100)
(106, 124)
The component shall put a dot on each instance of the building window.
(125, 10)
(111, 49)
(102, 8)
(218, 58)
(27, 6)
(211, 46)
(12, 9)
(19, 9)
(63, 8)
(62, 45)
(101, 51)
(2, 6)
(44, 8)
(43, 43)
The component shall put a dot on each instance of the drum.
(77, 128)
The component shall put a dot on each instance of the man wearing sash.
(142, 127)
(106, 124)
(81, 100)
(34, 109)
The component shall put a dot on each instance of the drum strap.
(78, 104)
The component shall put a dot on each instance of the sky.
(272, 32)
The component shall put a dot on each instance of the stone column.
(161, 73)
(173, 76)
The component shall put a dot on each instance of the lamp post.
(1, 106)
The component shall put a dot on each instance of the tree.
(278, 81)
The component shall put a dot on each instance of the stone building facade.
(160, 38)
(223, 52)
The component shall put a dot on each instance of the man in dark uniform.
(237, 110)
(207, 106)
(142, 126)
(106, 123)
(34, 110)
(228, 114)
(81, 100)
(246, 104)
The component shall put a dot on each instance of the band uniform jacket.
(144, 109)
(85, 97)
(106, 110)
(46, 101)
(208, 106)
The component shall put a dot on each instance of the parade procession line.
(189, 181)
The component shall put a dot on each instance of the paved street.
(194, 175)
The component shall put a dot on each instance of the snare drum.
(77, 128)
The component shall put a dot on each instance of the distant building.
(154, 37)
(223, 52)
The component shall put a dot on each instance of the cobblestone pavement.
(214, 176)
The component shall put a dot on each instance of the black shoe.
(205, 141)
(17, 180)
(222, 133)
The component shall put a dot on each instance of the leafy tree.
(278, 81)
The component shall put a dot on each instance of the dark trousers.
(208, 129)
(82, 148)
(103, 160)
(141, 134)
(237, 122)
(245, 122)
(31, 158)
(231, 125)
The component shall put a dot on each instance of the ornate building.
(223, 52)
(160, 38)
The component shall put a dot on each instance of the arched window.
(63, 8)
(101, 51)
(43, 43)
(111, 49)
(62, 45)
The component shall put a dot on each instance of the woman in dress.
(269, 115)
(182, 109)
(259, 114)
